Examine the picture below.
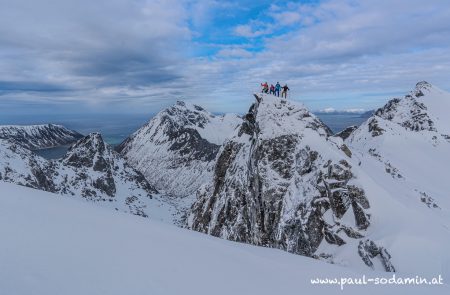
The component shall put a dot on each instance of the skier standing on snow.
(272, 89)
(277, 89)
(285, 90)
(265, 87)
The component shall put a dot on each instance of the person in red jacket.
(265, 87)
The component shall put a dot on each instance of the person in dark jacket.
(285, 90)
(272, 89)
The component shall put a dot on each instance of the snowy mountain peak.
(213, 128)
(188, 106)
(423, 85)
(90, 151)
(185, 113)
(93, 140)
(423, 109)
(273, 116)
(423, 88)
(175, 150)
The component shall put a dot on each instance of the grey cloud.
(84, 45)
(141, 53)
(7, 87)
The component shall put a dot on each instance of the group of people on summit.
(275, 90)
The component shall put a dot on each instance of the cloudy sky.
(137, 56)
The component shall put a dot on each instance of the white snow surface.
(219, 127)
(150, 149)
(53, 245)
(277, 117)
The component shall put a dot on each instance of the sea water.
(338, 122)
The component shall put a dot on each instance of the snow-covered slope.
(39, 136)
(406, 147)
(282, 181)
(90, 169)
(53, 246)
(176, 149)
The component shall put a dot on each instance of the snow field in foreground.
(56, 245)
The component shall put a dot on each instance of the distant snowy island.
(334, 111)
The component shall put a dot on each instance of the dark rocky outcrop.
(344, 134)
(374, 128)
(368, 251)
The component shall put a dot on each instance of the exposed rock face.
(283, 181)
(90, 169)
(411, 111)
(344, 134)
(416, 119)
(374, 128)
(176, 149)
(39, 136)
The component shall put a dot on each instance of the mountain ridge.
(39, 136)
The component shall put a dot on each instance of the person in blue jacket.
(277, 89)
